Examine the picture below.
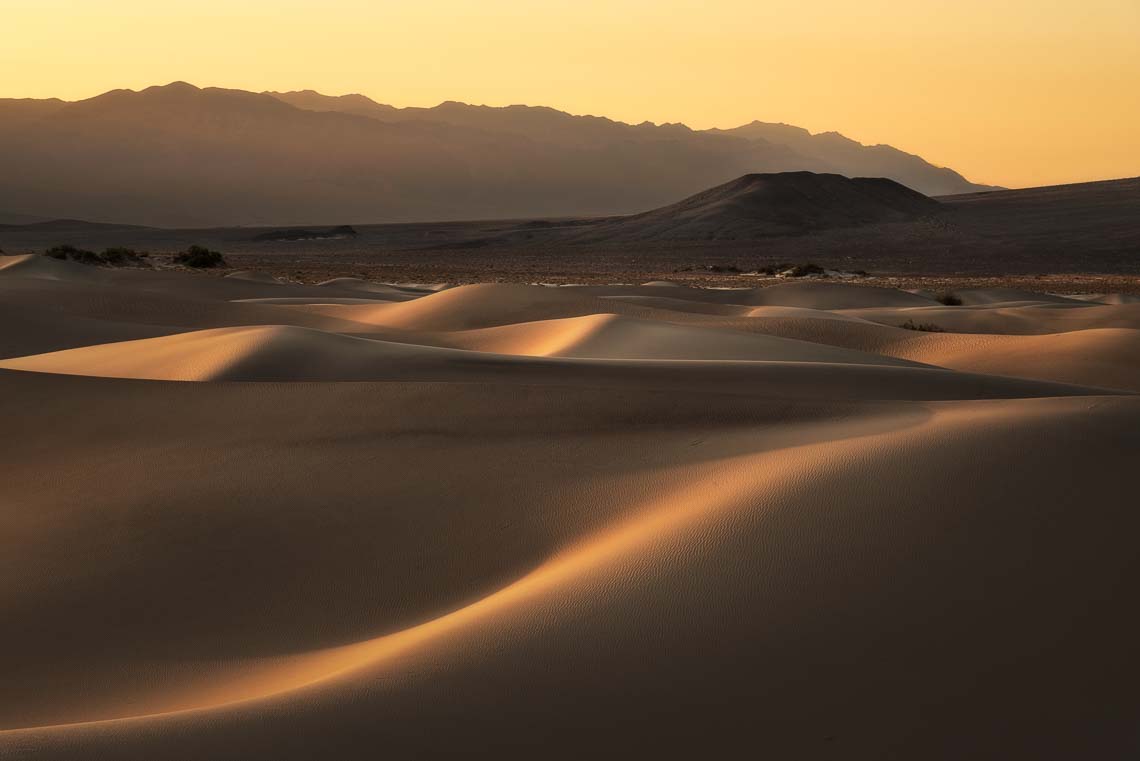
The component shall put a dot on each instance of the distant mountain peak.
(311, 100)
(177, 86)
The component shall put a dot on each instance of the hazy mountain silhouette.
(180, 156)
(790, 147)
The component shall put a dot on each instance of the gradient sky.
(1013, 92)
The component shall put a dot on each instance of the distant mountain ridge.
(823, 152)
(178, 155)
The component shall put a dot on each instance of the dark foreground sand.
(251, 520)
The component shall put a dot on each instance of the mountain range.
(179, 155)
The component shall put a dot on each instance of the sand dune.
(291, 354)
(481, 306)
(609, 336)
(534, 522)
(1118, 298)
(1018, 318)
(493, 304)
(982, 296)
(46, 268)
(824, 295)
(117, 303)
(28, 330)
(265, 353)
(1108, 357)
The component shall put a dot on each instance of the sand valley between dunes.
(251, 519)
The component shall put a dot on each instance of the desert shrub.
(119, 255)
(773, 269)
(200, 257)
(114, 257)
(60, 252)
(802, 270)
(68, 252)
(925, 327)
(722, 268)
(949, 299)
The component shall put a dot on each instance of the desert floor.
(249, 519)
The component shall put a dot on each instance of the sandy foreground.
(248, 519)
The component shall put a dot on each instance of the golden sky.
(1013, 92)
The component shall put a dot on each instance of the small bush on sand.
(803, 270)
(200, 257)
(119, 256)
(949, 299)
(112, 257)
(925, 327)
(787, 269)
(67, 252)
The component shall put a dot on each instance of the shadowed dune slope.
(823, 295)
(118, 303)
(758, 525)
(46, 268)
(29, 330)
(982, 296)
(1117, 298)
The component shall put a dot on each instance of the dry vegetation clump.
(200, 257)
(949, 298)
(117, 256)
(925, 327)
(787, 269)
